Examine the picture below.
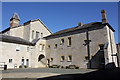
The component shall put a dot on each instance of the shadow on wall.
(97, 61)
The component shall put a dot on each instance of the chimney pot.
(103, 11)
(104, 18)
(15, 20)
(80, 24)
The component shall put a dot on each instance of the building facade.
(31, 32)
(33, 45)
(89, 45)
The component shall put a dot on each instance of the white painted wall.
(37, 26)
(9, 52)
(111, 50)
(17, 32)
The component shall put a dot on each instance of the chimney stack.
(15, 20)
(80, 24)
(104, 18)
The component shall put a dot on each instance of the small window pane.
(69, 41)
(69, 58)
(62, 58)
(62, 41)
(32, 34)
(10, 60)
(37, 34)
(55, 45)
(48, 46)
(41, 35)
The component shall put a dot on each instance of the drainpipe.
(88, 47)
(118, 55)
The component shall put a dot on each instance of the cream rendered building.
(14, 54)
(33, 45)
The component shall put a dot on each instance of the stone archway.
(41, 57)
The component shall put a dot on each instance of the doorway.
(27, 62)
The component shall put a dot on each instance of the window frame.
(48, 46)
(41, 35)
(69, 41)
(33, 34)
(69, 59)
(37, 35)
(62, 58)
(10, 60)
(55, 46)
(62, 41)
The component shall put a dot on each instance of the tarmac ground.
(60, 74)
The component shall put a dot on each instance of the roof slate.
(84, 26)
(17, 40)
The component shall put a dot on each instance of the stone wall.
(78, 50)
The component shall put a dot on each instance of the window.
(43, 46)
(62, 41)
(17, 48)
(37, 34)
(69, 41)
(40, 47)
(48, 46)
(51, 59)
(55, 45)
(62, 58)
(70, 58)
(27, 49)
(10, 60)
(32, 34)
(86, 58)
(41, 35)
(101, 46)
(22, 62)
(41, 57)
(27, 62)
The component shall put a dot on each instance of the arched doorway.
(41, 57)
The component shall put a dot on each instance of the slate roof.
(17, 40)
(84, 26)
(34, 41)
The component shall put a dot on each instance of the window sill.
(42, 51)
(69, 61)
(69, 46)
(61, 61)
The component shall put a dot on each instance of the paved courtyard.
(59, 74)
(40, 72)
